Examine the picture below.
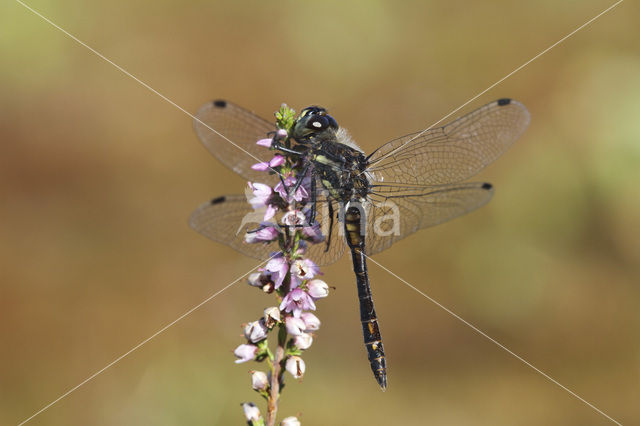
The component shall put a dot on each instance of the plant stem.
(276, 373)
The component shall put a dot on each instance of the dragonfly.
(366, 202)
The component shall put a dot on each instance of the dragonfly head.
(314, 122)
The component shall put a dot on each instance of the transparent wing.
(234, 140)
(323, 253)
(227, 219)
(396, 212)
(451, 153)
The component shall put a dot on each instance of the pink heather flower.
(261, 195)
(245, 353)
(317, 289)
(261, 167)
(295, 326)
(265, 233)
(256, 331)
(303, 341)
(295, 366)
(302, 269)
(281, 134)
(259, 380)
(278, 267)
(270, 212)
(290, 421)
(265, 142)
(276, 161)
(296, 301)
(289, 182)
(271, 316)
(311, 322)
(251, 412)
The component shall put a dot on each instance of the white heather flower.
(256, 331)
(256, 279)
(245, 353)
(290, 421)
(311, 322)
(259, 380)
(251, 412)
(278, 267)
(295, 326)
(294, 218)
(272, 316)
(295, 366)
(317, 289)
(303, 341)
(302, 269)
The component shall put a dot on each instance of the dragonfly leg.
(330, 207)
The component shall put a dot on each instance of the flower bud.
(317, 289)
(295, 366)
(265, 142)
(290, 421)
(311, 322)
(245, 353)
(303, 341)
(259, 380)
(281, 134)
(271, 316)
(256, 331)
(251, 412)
(277, 160)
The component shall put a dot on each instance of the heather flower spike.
(288, 275)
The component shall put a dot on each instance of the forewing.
(226, 220)
(230, 133)
(395, 213)
(451, 153)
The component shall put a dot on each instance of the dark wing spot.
(487, 186)
(220, 103)
(218, 200)
(504, 101)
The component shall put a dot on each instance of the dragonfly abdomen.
(371, 332)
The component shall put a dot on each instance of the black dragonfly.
(407, 184)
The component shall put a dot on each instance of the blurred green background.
(99, 176)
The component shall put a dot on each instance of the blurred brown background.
(98, 177)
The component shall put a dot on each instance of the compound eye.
(332, 122)
(318, 122)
